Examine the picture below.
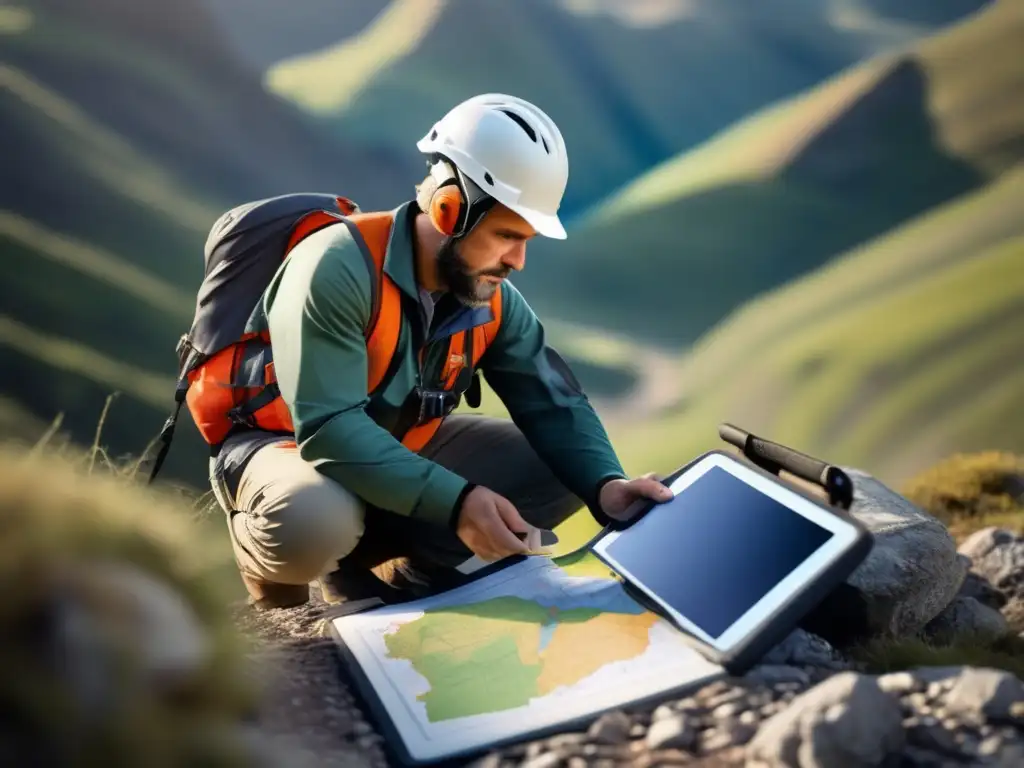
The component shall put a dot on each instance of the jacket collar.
(400, 255)
(400, 266)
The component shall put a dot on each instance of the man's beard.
(467, 286)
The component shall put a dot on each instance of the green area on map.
(500, 653)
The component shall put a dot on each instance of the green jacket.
(316, 309)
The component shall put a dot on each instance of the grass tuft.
(114, 580)
(882, 656)
(969, 492)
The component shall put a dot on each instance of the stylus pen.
(773, 456)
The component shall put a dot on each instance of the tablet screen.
(716, 549)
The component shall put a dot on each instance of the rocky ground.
(92, 587)
(813, 710)
(804, 705)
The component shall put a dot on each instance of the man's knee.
(294, 525)
(495, 453)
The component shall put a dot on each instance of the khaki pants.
(290, 524)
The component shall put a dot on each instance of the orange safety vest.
(217, 380)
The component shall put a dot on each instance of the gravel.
(308, 707)
(788, 712)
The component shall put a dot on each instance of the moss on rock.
(118, 649)
(970, 491)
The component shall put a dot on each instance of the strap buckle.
(436, 404)
(242, 417)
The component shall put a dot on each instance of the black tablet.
(732, 551)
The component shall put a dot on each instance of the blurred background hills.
(804, 216)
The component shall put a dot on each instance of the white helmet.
(510, 149)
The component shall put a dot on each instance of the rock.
(899, 683)
(728, 734)
(932, 736)
(966, 616)
(546, 760)
(1011, 756)
(845, 721)
(992, 692)
(111, 602)
(676, 732)
(726, 711)
(361, 728)
(913, 570)
(690, 703)
(610, 728)
(596, 753)
(997, 555)
(662, 712)
(563, 740)
(977, 586)
(777, 673)
(725, 697)
(662, 758)
(1013, 611)
(802, 649)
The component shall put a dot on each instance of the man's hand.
(617, 495)
(488, 524)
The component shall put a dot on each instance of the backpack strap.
(257, 220)
(485, 334)
(372, 231)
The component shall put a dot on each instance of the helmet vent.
(522, 124)
(489, 179)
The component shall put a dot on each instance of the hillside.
(894, 356)
(125, 135)
(794, 185)
(263, 32)
(626, 94)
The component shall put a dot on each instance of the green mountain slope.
(903, 351)
(626, 95)
(166, 87)
(125, 135)
(795, 185)
(263, 32)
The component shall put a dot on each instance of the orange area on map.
(573, 653)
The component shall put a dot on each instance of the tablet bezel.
(845, 536)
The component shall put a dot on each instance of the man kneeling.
(379, 323)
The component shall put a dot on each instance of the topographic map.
(534, 645)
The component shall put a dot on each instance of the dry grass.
(969, 492)
(114, 629)
(95, 459)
